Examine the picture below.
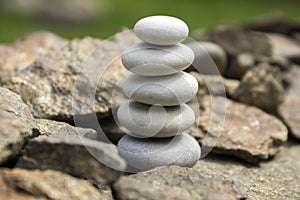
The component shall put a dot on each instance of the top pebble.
(161, 30)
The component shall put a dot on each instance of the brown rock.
(64, 83)
(262, 87)
(17, 56)
(240, 64)
(177, 183)
(75, 155)
(290, 109)
(35, 184)
(239, 130)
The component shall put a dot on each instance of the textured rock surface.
(147, 153)
(262, 87)
(80, 157)
(35, 184)
(19, 55)
(178, 183)
(247, 132)
(63, 83)
(290, 109)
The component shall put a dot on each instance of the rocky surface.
(34, 184)
(17, 56)
(239, 130)
(78, 156)
(178, 183)
(262, 87)
(290, 109)
(63, 83)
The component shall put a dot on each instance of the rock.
(111, 129)
(36, 184)
(63, 84)
(205, 51)
(215, 85)
(178, 183)
(17, 56)
(152, 60)
(161, 30)
(278, 179)
(290, 109)
(236, 40)
(261, 87)
(239, 130)
(241, 64)
(284, 46)
(275, 22)
(168, 90)
(13, 135)
(78, 156)
(146, 153)
(143, 120)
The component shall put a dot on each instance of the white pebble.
(152, 60)
(155, 121)
(167, 90)
(161, 30)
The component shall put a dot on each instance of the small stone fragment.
(146, 153)
(262, 87)
(161, 30)
(247, 132)
(175, 182)
(48, 184)
(74, 155)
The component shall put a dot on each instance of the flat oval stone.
(152, 60)
(167, 90)
(155, 121)
(146, 153)
(161, 30)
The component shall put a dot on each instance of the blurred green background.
(103, 18)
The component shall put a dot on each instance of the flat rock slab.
(247, 132)
(68, 81)
(74, 155)
(17, 56)
(277, 179)
(290, 109)
(177, 183)
(35, 184)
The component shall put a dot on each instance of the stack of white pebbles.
(157, 115)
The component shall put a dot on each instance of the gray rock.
(178, 183)
(17, 56)
(35, 184)
(205, 51)
(143, 154)
(152, 60)
(262, 87)
(63, 84)
(236, 129)
(168, 90)
(290, 109)
(161, 30)
(240, 65)
(143, 120)
(78, 156)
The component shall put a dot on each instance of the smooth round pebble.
(146, 153)
(167, 90)
(161, 30)
(152, 60)
(155, 121)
